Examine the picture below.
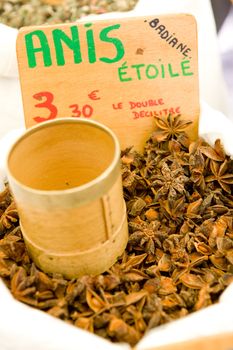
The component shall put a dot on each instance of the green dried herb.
(19, 13)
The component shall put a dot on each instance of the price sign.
(122, 72)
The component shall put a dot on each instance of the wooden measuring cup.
(66, 180)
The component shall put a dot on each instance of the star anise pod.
(22, 286)
(221, 175)
(196, 167)
(121, 331)
(5, 266)
(170, 181)
(128, 270)
(5, 198)
(174, 209)
(170, 128)
(216, 153)
(146, 236)
(13, 247)
(133, 315)
(131, 158)
(9, 217)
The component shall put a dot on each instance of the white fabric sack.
(8, 61)
(11, 114)
(226, 51)
(24, 328)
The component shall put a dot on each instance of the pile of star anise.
(179, 256)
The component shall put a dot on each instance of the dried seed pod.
(13, 247)
(134, 297)
(151, 214)
(192, 281)
(219, 262)
(165, 263)
(94, 301)
(9, 217)
(122, 332)
(194, 207)
(229, 256)
(85, 323)
(167, 286)
(203, 248)
(5, 267)
(224, 244)
(136, 206)
(204, 298)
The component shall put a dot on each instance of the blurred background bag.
(212, 84)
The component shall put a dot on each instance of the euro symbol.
(93, 95)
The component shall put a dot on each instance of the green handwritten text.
(152, 71)
(38, 44)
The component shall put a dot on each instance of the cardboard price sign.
(121, 72)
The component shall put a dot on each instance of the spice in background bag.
(179, 256)
(19, 13)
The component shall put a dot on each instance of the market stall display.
(178, 193)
